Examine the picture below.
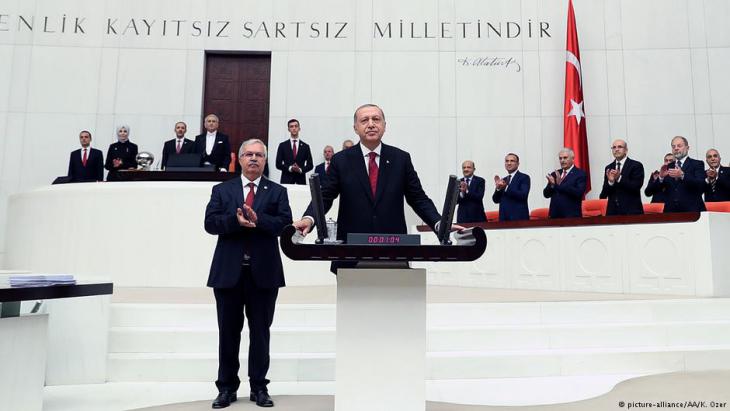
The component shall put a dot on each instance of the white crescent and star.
(576, 110)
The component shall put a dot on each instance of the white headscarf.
(126, 127)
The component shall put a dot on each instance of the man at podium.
(373, 180)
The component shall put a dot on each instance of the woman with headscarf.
(122, 155)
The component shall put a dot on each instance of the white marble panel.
(701, 88)
(658, 82)
(615, 82)
(6, 76)
(23, 355)
(531, 83)
(333, 88)
(718, 63)
(596, 263)
(654, 24)
(447, 161)
(489, 84)
(139, 71)
(552, 142)
(363, 21)
(418, 136)
(278, 91)
(696, 24)
(447, 72)
(595, 82)
(652, 268)
(599, 152)
(107, 86)
(407, 23)
(651, 136)
(363, 78)
(64, 87)
(406, 84)
(508, 30)
(194, 83)
(552, 82)
(12, 154)
(617, 127)
(717, 14)
(705, 138)
(612, 25)
(20, 80)
(721, 128)
(536, 260)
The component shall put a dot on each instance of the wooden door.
(237, 88)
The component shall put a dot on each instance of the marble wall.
(651, 69)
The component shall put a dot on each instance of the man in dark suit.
(213, 147)
(178, 145)
(622, 181)
(372, 180)
(323, 168)
(654, 188)
(565, 187)
(511, 192)
(86, 163)
(247, 214)
(717, 183)
(685, 180)
(471, 196)
(294, 158)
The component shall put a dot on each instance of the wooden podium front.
(381, 318)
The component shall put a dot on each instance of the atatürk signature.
(491, 62)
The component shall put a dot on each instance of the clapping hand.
(612, 175)
(246, 218)
(499, 183)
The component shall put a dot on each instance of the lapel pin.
(266, 187)
(387, 161)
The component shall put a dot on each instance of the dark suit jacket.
(471, 204)
(271, 205)
(358, 211)
(566, 197)
(94, 170)
(322, 173)
(127, 152)
(655, 190)
(721, 190)
(170, 148)
(220, 156)
(285, 159)
(513, 200)
(624, 196)
(685, 194)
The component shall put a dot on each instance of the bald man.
(717, 183)
(622, 181)
(471, 196)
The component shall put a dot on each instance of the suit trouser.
(258, 305)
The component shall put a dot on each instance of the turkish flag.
(574, 129)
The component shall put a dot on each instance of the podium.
(381, 318)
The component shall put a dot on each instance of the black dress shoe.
(224, 399)
(262, 398)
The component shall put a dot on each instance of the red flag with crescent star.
(574, 130)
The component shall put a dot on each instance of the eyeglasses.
(251, 154)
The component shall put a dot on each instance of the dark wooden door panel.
(237, 90)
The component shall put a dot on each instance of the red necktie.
(294, 149)
(373, 172)
(84, 158)
(250, 195)
(179, 146)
